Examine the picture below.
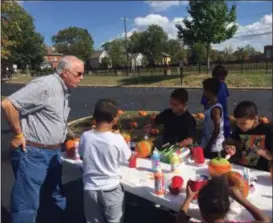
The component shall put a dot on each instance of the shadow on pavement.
(146, 79)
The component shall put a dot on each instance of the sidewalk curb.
(166, 86)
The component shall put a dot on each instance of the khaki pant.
(104, 206)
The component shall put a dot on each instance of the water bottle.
(155, 160)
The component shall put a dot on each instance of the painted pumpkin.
(154, 131)
(218, 166)
(200, 116)
(126, 137)
(142, 113)
(70, 146)
(235, 179)
(133, 124)
(144, 148)
(120, 112)
(263, 119)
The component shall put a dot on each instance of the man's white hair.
(66, 63)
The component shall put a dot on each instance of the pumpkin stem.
(219, 155)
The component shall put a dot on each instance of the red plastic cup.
(133, 161)
(196, 185)
(198, 155)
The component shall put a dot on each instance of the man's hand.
(19, 142)
(230, 149)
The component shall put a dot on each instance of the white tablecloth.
(138, 182)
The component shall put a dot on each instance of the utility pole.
(181, 65)
(126, 46)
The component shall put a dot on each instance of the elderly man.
(37, 114)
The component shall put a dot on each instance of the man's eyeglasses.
(78, 74)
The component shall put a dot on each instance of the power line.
(256, 34)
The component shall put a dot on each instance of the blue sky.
(103, 18)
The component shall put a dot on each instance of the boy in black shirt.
(179, 124)
(251, 144)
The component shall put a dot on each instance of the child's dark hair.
(105, 110)
(181, 95)
(219, 70)
(245, 109)
(212, 85)
(213, 198)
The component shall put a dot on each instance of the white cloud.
(264, 25)
(164, 5)
(141, 24)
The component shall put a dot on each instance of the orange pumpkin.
(144, 148)
(200, 116)
(154, 131)
(133, 124)
(120, 112)
(263, 119)
(235, 179)
(218, 166)
(126, 137)
(142, 113)
(70, 146)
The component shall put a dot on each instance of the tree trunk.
(208, 48)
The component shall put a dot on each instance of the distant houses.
(96, 58)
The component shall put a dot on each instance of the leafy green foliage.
(211, 22)
(153, 42)
(21, 44)
(74, 41)
(117, 53)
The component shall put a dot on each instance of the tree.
(134, 43)
(197, 53)
(21, 44)
(117, 53)
(153, 43)
(211, 22)
(74, 41)
(105, 63)
(176, 51)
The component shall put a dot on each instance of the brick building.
(52, 57)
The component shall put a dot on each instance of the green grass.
(3, 97)
(233, 80)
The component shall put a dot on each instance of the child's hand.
(264, 153)
(147, 128)
(190, 194)
(230, 149)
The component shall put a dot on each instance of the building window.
(55, 59)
